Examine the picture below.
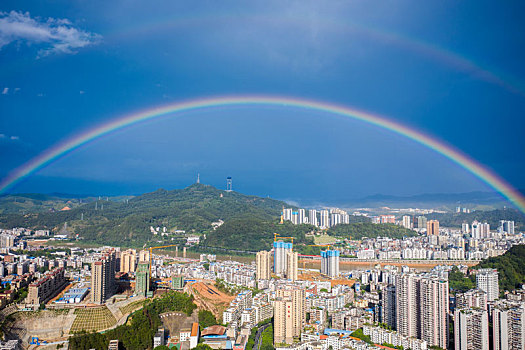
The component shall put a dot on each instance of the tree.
(206, 319)
(202, 347)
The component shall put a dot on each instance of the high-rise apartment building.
(388, 306)
(289, 314)
(474, 298)
(487, 281)
(421, 308)
(142, 279)
(508, 326)
(128, 261)
(421, 222)
(335, 219)
(263, 264)
(471, 329)
(330, 263)
(432, 228)
(287, 214)
(144, 255)
(465, 227)
(407, 221)
(434, 304)
(103, 283)
(312, 217)
(506, 227)
(291, 265)
(280, 249)
(325, 219)
(301, 215)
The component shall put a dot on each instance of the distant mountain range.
(478, 200)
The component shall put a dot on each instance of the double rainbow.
(455, 155)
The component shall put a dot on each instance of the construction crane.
(151, 253)
(276, 234)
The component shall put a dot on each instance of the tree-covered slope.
(191, 209)
(252, 234)
(510, 266)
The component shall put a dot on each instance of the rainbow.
(416, 45)
(449, 152)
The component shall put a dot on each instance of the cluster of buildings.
(323, 219)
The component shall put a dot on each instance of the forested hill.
(191, 209)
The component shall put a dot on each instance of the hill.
(252, 235)
(192, 209)
(37, 203)
(511, 267)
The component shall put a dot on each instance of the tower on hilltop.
(229, 184)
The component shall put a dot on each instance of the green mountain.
(511, 267)
(192, 209)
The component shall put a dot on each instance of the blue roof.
(328, 331)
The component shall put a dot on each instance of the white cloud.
(5, 91)
(82, 92)
(56, 35)
(14, 138)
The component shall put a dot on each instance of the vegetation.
(206, 319)
(365, 229)
(511, 267)
(139, 331)
(458, 282)
(359, 334)
(92, 319)
(127, 223)
(202, 347)
(252, 234)
(267, 339)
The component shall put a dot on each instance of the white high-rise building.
(506, 227)
(487, 281)
(325, 219)
(287, 214)
(280, 249)
(465, 227)
(407, 221)
(330, 263)
(312, 217)
(301, 216)
(388, 306)
(295, 218)
(335, 219)
(471, 329)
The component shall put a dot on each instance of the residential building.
(291, 265)
(142, 279)
(487, 281)
(103, 283)
(330, 263)
(471, 329)
(432, 228)
(289, 314)
(508, 326)
(128, 261)
(263, 263)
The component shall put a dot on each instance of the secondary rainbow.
(451, 153)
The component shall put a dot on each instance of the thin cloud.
(15, 138)
(56, 35)
(5, 91)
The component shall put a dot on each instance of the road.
(258, 338)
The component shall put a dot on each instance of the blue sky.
(451, 69)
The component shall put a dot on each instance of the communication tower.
(229, 184)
